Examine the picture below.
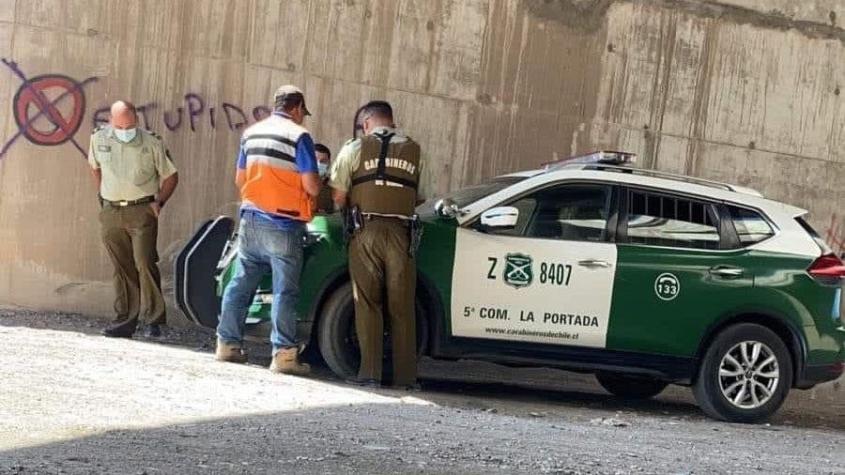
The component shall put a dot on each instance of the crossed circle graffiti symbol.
(31, 101)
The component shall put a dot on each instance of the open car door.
(197, 269)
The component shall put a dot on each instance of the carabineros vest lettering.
(273, 181)
(387, 176)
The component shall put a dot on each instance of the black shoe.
(410, 387)
(152, 331)
(364, 383)
(120, 330)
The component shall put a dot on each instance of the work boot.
(120, 330)
(286, 361)
(152, 331)
(231, 352)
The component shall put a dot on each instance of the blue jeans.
(262, 248)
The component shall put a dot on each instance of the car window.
(659, 220)
(565, 212)
(750, 226)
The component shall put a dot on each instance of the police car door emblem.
(518, 271)
(667, 286)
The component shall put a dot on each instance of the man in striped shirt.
(277, 174)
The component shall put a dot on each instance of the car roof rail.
(606, 157)
(674, 176)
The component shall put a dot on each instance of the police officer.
(375, 177)
(135, 177)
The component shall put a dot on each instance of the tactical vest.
(387, 176)
(273, 181)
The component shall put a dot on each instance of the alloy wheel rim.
(749, 374)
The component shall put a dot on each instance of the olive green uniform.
(131, 172)
(382, 269)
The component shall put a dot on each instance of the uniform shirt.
(349, 157)
(130, 171)
(306, 162)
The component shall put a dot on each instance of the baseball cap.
(290, 93)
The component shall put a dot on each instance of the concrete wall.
(747, 91)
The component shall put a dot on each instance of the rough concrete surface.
(72, 401)
(747, 91)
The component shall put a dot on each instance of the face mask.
(125, 135)
(323, 169)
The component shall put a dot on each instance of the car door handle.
(727, 271)
(594, 264)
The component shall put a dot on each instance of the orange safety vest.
(273, 181)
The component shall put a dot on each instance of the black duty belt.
(387, 217)
(124, 203)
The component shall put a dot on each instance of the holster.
(353, 221)
(415, 231)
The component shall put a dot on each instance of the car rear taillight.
(827, 267)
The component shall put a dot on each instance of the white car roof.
(672, 183)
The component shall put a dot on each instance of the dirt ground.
(72, 401)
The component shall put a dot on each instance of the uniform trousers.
(384, 284)
(129, 234)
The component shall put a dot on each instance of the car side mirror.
(447, 208)
(503, 217)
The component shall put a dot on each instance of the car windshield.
(471, 194)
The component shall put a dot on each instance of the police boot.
(286, 361)
(230, 352)
(120, 329)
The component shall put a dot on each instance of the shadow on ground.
(521, 392)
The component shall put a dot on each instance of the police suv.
(641, 277)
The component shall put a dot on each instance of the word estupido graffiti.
(191, 114)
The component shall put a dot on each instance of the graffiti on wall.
(835, 234)
(191, 115)
(50, 108)
(32, 103)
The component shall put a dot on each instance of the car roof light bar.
(601, 157)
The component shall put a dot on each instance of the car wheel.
(338, 341)
(745, 375)
(630, 387)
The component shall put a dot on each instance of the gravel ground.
(74, 402)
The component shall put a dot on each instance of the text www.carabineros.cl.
(523, 332)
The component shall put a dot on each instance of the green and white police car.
(641, 277)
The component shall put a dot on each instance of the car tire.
(735, 383)
(630, 387)
(336, 334)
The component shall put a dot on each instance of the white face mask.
(125, 135)
(323, 169)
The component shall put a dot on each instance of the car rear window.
(816, 237)
(659, 220)
(751, 227)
